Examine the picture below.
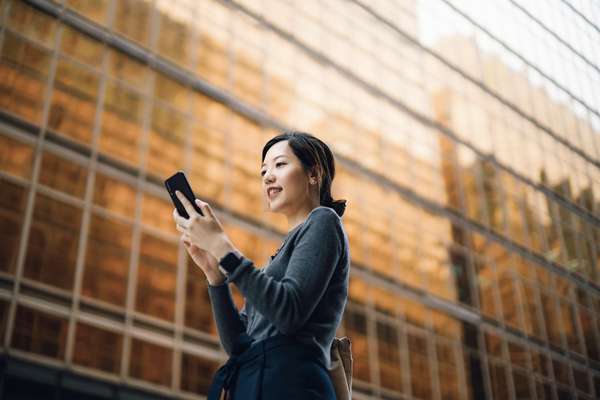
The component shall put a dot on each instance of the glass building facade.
(467, 140)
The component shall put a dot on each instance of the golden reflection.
(198, 310)
(73, 103)
(449, 378)
(388, 343)
(98, 348)
(63, 175)
(81, 47)
(132, 20)
(156, 277)
(145, 357)
(23, 73)
(107, 260)
(158, 213)
(16, 158)
(420, 369)
(53, 242)
(32, 23)
(12, 215)
(95, 10)
(166, 141)
(40, 333)
(121, 126)
(197, 373)
(123, 67)
(355, 327)
(114, 195)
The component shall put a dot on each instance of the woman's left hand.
(204, 231)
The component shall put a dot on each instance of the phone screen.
(179, 182)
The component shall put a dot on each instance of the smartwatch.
(230, 261)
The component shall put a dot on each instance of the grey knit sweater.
(302, 291)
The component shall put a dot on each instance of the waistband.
(247, 350)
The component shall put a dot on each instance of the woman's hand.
(207, 241)
(207, 263)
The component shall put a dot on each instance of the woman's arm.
(288, 303)
(230, 323)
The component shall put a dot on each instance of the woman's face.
(283, 170)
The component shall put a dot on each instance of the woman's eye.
(263, 172)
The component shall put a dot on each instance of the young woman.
(279, 343)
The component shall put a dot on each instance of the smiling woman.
(294, 305)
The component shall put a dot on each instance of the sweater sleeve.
(230, 323)
(288, 303)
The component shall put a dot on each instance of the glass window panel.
(122, 125)
(592, 343)
(570, 326)
(420, 372)
(519, 355)
(171, 92)
(355, 326)
(39, 333)
(494, 345)
(198, 311)
(552, 318)
(499, 381)
(81, 47)
(32, 23)
(533, 324)
(12, 214)
(166, 141)
(581, 380)
(107, 260)
(521, 382)
(176, 38)
(156, 277)
(447, 369)
(247, 73)
(4, 306)
(508, 295)
(390, 373)
(114, 195)
(96, 10)
(246, 143)
(24, 69)
(197, 373)
(158, 213)
(561, 371)
(145, 357)
(132, 19)
(98, 348)
(122, 66)
(53, 241)
(73, 103)
(16, 158)
(208, 164)
(63, 175)
(213, 58)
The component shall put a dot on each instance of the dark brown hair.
(313, 153)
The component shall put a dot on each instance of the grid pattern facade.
(470, 163)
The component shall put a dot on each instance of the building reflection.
(472, 212)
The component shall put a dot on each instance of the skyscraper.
(470, 168)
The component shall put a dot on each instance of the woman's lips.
(275, 192)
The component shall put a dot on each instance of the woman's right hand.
(207, 263)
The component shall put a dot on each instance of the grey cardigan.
(302, 291)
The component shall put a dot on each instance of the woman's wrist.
(216, 279)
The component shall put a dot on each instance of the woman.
(279, 343)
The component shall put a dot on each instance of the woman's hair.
(313, 154)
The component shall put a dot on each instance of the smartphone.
(179, 182)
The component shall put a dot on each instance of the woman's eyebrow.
(282, 155)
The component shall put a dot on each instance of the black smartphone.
(179, 182)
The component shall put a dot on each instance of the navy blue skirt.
(275, 368)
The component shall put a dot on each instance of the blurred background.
(467, 141)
